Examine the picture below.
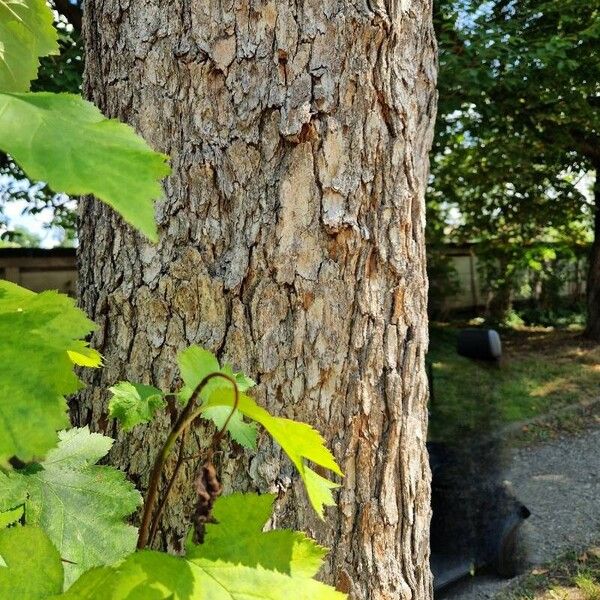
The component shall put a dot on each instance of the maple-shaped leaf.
(298, 440)
(134, 403)
(26, 33)
(30, 566)
(37, 331)
(237, 561)
(158, 576)
(80, 505)
(66, 142)
(238, 537)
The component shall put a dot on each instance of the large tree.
(291, 244)
(519, 122)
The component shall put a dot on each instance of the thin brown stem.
(165, 498)
(188, 415)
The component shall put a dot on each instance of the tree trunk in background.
(593, 281)
(500, 303)
(291, 245)
(500, 296)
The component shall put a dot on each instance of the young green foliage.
(245, 434)
(134, 403)
(26, 34)
(195, 364)
(298, 440)
(236, 561)
(30, 566)
(92, 154)
(238, 537)
(37, 331)
(80, 506)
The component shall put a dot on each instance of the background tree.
(518, 124)
(58, 73)
(291, 244)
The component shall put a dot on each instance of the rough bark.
(593, 280)
(291, 245)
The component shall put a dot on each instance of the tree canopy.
(518, 123)
(58, 72)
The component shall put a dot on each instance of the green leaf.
(243, 433)
(26, 33)
(319, 489)
(13, 493)
(238, 537)
(36, 333)
(134, 403)
(81, 506)
(244, 382)
(298, 440)
(195, 363)
(236, 561)
(10, 517)
(67, 142)
(84, 356)
(30, 566)
(158, 576)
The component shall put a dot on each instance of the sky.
(13, 213)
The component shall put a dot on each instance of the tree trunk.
(292, 245)
(593, 280)
(500, 298)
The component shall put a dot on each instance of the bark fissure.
(291, 245)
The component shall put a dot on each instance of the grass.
(542, 372)
(574, 576)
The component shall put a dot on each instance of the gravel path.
(560, 484)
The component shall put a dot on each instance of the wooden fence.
(471, 293)
(39, 269)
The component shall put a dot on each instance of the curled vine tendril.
(149, 525)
